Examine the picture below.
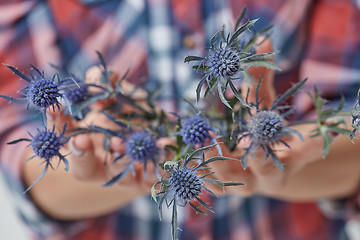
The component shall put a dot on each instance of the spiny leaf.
(242, 29)
(17, 72)
(240, 18)
(237, 95)
(222, 97)
(193, 58)
(288, 93)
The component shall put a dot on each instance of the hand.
(307, 176)
(260, 176)
(80, 193)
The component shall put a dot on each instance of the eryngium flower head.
(265, 127)
(229, 57)
(141, 146)
(224, 62)
(185, 184)
(46, 145)
(76, 94)
(195, 130)
(42, 92)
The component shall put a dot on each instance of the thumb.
(266, 90)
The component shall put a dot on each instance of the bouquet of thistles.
(183, 168)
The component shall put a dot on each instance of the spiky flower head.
(76, 94)
(42, 92)
(141, 146)
(195, 130)
(183, 184)
(229, 56)
(46, 145)
(224, 62)
(265, 127)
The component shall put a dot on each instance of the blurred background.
(10, 223)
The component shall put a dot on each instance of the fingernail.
(74, 150)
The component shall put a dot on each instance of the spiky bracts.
(46, 145)
(42, 92)
(266, 127)
(140, 147)
(182, 184)
(229, 56)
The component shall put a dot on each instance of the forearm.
(62, 196)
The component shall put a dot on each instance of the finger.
(267, 176)
(231, 170)
(266, 90)
(84, 164)
(162, 144)
(58, 119)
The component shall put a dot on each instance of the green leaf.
(172, 147)
(237, 95)
(193, 58)
(212, 40)
(241, 17)
(222, 97)
(261, 63)
(196, 208)
(153, 192)
(228, 184)
(17, 72)
(242, 29)
(170, 163)
(326, 141)
(288, 93)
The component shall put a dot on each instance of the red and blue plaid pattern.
(318, 39)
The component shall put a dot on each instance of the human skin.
(307, 177)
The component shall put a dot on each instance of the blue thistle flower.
(267, 127)
(42, 92)
(76, 94)
(195, 130)
(46, 145)
(224, 62)
(140, 147)
(183, 184)
(229, 57)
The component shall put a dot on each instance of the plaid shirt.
(318, 39)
